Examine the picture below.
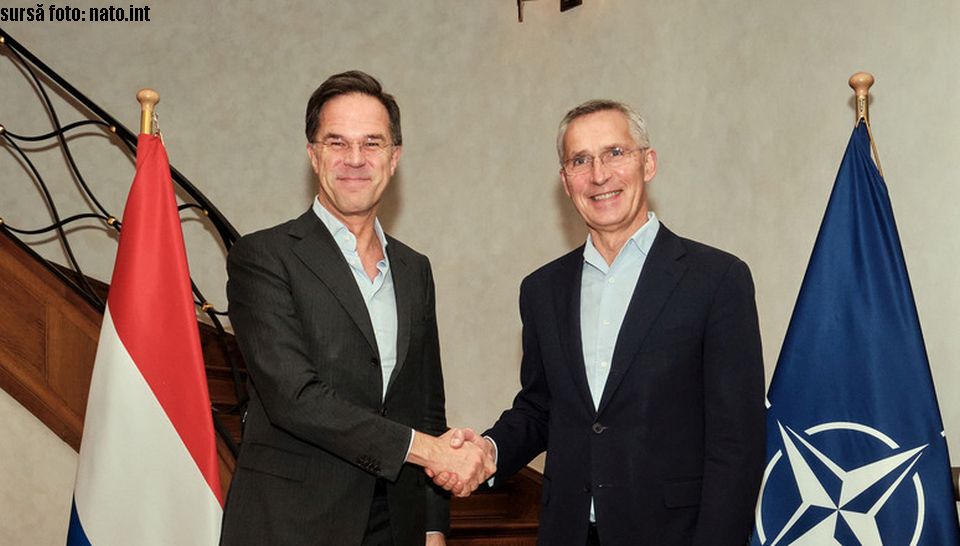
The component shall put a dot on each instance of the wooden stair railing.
(48, 341)
(505, 516)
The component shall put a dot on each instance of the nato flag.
(856, 452)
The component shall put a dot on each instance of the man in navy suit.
(642, 373)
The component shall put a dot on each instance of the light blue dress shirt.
(378, 294)
(605, 293)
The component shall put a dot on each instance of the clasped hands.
(459, 461)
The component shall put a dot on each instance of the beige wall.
(747, 102)
(36, 478)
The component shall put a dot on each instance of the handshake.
(458, 461)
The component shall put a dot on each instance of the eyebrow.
(578, 153)
(604, 149)
(373, 136)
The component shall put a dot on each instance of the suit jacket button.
(598, 428)
(586, 489)
(374, 361)
(383, 412)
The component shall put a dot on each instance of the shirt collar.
(345, 240)
(642, 240)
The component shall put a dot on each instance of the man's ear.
(395, 158)
(649, 165)
(314, 158)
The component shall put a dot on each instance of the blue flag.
(856, 453)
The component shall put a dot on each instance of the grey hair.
(638, 126)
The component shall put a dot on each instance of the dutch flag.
(148, 470)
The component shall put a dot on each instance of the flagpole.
(148, 99)
(861, 83)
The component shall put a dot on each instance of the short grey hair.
(638, 126)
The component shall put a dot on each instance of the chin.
(607, 221)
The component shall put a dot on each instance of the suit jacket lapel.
(661, 273)
(320, 253)
(567, 302)
(404, 285)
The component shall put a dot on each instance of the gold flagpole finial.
(148, 99)
(861, 82)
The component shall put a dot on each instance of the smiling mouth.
(605, 196)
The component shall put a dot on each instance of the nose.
(598, 174)
(354, 156)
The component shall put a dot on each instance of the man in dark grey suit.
(336, 322)
(642, 374)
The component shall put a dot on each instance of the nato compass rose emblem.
(812, 498)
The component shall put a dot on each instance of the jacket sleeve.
(734, 413)
(521, 432)
(434, 416)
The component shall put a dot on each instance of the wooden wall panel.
(48, 337)
(70, 356)
(22, 322)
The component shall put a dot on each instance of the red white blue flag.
(148, 472)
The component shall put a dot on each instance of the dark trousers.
(378, 526)
(593, 538)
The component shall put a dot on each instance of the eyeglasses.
(611, 157)
(370, 148)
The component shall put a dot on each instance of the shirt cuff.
(496, 455)
(410, 445)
